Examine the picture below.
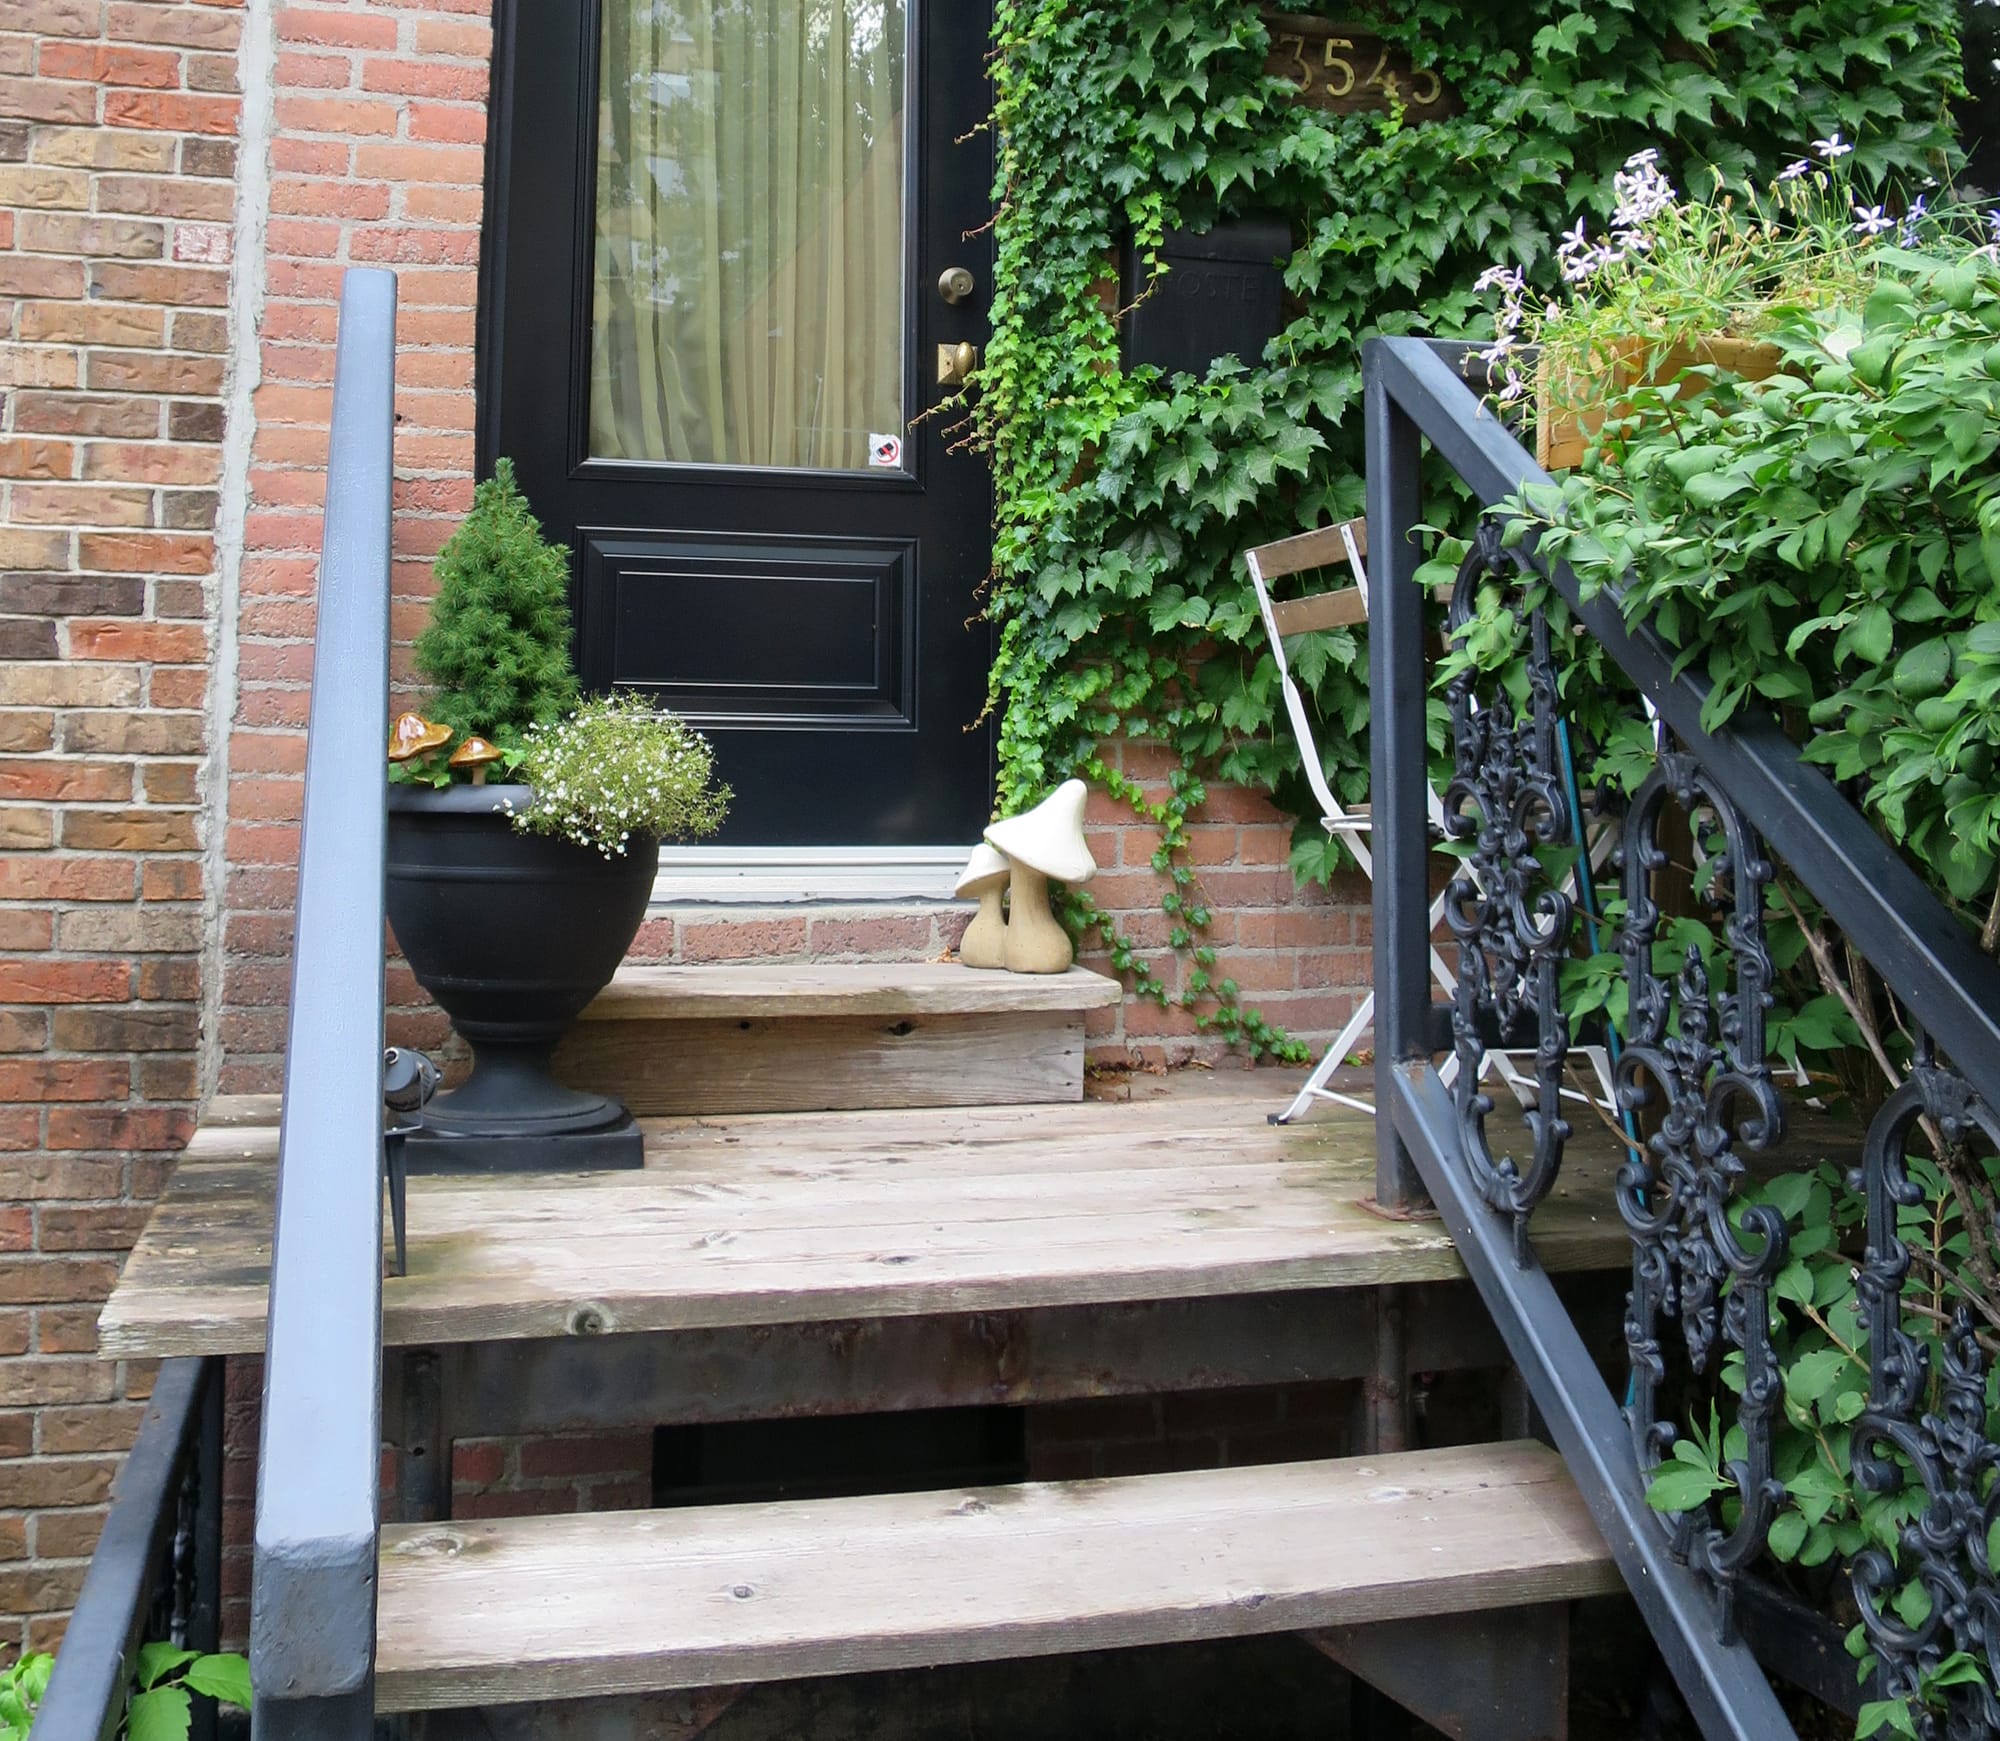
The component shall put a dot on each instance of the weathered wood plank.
(1322, 610)
(824, 1063)
(897, 988)
(558, 1607)
(748, 1221)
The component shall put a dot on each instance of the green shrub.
(497, 647)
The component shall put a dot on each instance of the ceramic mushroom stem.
(1043, 843)
(984, 880)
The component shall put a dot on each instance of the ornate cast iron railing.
(1695, 1068)
(155, 1576)
(312, 1627)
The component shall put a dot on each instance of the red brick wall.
(117, 162)
(377, 159)
(1300, 957)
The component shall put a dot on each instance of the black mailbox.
(1222, 293)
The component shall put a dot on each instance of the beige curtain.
(749, 249)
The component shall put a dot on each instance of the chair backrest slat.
(1339, 609)
(1320, 548)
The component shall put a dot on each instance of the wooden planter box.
(1570, 409)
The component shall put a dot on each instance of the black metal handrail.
(156, 1573)
(312, 1627)
(1507, 798)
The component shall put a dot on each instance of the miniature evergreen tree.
(497, 644)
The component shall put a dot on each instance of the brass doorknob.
(955, 284)
(955, 363)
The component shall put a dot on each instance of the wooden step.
(815, 1037)
(497, 1612)
(1185, 1192)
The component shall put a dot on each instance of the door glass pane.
(748, 281)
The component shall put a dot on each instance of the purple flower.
(1869, 221)
(1832, 149)
(1912, 220)
(1793, 171)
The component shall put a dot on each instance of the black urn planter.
(513, 934)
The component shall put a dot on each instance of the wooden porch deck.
(1183, 1190)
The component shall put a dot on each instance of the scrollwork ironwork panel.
(1926, 1429)
(1695, 1075)
(1507, 807)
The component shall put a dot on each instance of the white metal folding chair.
(1347, 607)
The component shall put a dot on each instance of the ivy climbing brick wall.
(118, 125)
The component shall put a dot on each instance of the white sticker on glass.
(885, 450)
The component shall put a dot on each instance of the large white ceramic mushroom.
(1043, 843)
(984, 880)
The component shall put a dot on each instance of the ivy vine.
(1124, 497)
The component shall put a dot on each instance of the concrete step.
(813, 1037)
(546, 1608)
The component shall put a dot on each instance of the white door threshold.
(772, 876)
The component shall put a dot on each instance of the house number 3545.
(1347, 70)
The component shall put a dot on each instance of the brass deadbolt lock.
(955, 364)
(955, 284)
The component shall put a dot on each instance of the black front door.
(713, 320)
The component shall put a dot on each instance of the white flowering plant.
(1677, 273)
(618, 771)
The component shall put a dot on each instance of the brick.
(175, 286)
(110, 1427)
(27, 638)
(17, 1435)
(36, 1589)
(144, 552)
(139, 642)
(150, 372)
(26, 729)
(67, 879)
(171, 111)
(478, 1462)
(67, 233)
(194, 423)
(44, 189)
(35, 456)
(171, 783)
(26, 980)
(59, 595)
(133, 734)
(95, 148)
(130, 831)
(200, 26)
(42, 100)
(588, 1454)
(146, 930)
(53, 778)
(51, 1482)
(31, 685)
(89, 1028)
(148, 463)
(101, 1227)
(60, 1331)
(25, 1030)
(26, 830)
(68, 1535)
(155, 1128)
(78, 414)
(51, 17)
(41, 275)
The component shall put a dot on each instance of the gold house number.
(1348, 70)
